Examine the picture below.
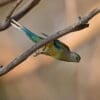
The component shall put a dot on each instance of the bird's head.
(73, 57)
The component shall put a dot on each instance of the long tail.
(32, 36)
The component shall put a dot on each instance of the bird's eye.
(78, 58)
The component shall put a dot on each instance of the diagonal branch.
(13, 9)
(81, 24)
(20, 14)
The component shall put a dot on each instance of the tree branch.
(81, 24)
(18, 2)
(20, 14)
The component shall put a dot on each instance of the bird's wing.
(60, 45)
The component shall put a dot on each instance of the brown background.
(42, 77)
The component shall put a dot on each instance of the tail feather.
(32, 36)
(16, 24)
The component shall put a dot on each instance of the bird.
(55, 48)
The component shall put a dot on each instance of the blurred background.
(42, 77)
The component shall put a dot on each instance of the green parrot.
(55, 49)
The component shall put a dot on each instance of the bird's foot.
(38, 52)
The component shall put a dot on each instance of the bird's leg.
(38, 52)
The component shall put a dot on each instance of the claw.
(37, 53)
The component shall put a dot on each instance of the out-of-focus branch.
(18, 2)
(5, 2)
(20, 14)
(81, 24)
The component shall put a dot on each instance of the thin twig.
(81, 24)
(18, 2)
(20, 14)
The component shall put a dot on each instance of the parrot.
(55, 48)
